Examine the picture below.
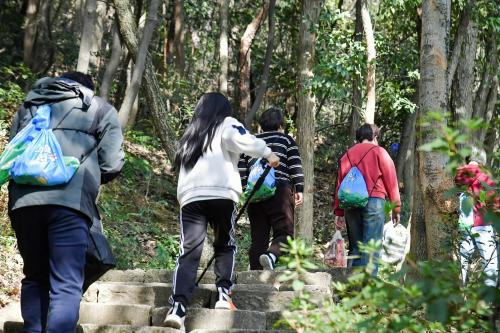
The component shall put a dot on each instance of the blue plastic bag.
(42, 162)
(268, 187)
(15, 148)
(352, 191)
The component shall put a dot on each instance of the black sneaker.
(224, 300)
(176, 316)
(267, 262)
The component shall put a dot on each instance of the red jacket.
(472, 176)
(378, 170)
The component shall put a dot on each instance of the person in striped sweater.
(276, 213)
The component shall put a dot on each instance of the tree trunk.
(458, 41)
(491, 142)
(155, 99)
(305, 115)
(87, 36)
(223, 45)
(174, 47)
(180, 61)
(488, 78)
(370, 64)
(489, 116)
(462, 88)
(99, 28)
(267, 63)
(140, 62)
(114, 62)
(244, 60)
(30, 32)
(357, 98)
(433, 180)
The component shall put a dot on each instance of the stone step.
(154, 294)
(149, 276)
(157, 294)
(211, 319)
(242, 331)
(17, 327)
(115, 314)
(254, 300)
(318, 278)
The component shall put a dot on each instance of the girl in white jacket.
(208, 189)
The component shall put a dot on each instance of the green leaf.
(298, 285)
(438, 311)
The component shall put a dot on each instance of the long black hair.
(209, 113)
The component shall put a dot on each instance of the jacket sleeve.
(389, 178)
(237, 139)
(294, 163)
(110, 147)
(14, 128)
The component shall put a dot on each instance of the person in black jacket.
(276, 213)
(52, 222)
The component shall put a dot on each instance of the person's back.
(277, 212)
(366, 223)
(477, 233)
(377, 168)
(85, 127)
(52, 222)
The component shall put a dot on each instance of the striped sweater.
(289, 172)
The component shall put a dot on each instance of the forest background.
(330, 65)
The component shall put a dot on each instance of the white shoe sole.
(266, 263)
(222, 305)
(174, 321)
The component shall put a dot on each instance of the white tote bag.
(394, 243)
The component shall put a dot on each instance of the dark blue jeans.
(52, 241)
(363, 225)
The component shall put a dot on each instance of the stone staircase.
(137, 301)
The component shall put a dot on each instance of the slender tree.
(223, 45)
(305, 114)
(30, 32)
(462, 87)
(140, 62)
(267, 64)
(244, 60)
(156, 102)
(357, 98)
(87, 35)
(113, 63)
(369, 114)
(98, 33)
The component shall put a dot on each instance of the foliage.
(139, 209)
(423, 297)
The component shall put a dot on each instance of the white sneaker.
(267, 262)
(224, 302)
(176, 317)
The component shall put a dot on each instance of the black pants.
(52, 241)
(276, 214)
(194, 218)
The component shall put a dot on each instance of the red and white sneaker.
(224, 302)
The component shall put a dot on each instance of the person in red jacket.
(377, 167)
(477, 232)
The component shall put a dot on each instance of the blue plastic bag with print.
(42, 162)
(268, 187)
(14, 148)
(352, 191)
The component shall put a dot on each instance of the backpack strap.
(356, 165)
